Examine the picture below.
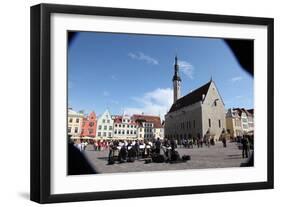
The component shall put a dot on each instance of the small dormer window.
(215, 102)
(203, 96)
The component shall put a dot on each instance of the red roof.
(148, 118)
(118, 120)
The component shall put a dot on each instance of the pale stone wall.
(213, 109)
(180, 123)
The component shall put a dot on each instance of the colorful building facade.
(89, 125)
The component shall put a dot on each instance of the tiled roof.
(249, 112)
(191, 98)
(148, 118)
(118, 120)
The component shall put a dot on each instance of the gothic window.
(209, 122)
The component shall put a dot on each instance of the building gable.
(213, 96)
(191, 98)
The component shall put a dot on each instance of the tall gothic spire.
(176, 67)
(176, 81)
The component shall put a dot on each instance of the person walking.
(200, 141)
(224, 141)
(157, 146)
(245, 147)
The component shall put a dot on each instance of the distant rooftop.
(148, 118)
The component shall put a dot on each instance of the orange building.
(89, 125)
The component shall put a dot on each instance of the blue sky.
(133, 73)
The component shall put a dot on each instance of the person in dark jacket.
(245, 147)
(157, 146)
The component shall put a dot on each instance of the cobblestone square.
(214, 157)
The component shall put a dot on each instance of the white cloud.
(186, 68)
(143, 57)
(106, 93)
(237, 78)
(156, 102)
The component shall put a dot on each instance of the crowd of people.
(81, 145)
(130, 150)
(155, 150)
(192, 142)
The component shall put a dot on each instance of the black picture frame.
(41, 97)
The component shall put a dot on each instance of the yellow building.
(74, 123)
(233, 123)
(239, 122)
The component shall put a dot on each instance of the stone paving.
(214, 157)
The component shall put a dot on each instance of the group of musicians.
(130, 150)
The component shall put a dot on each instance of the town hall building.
(199, 113)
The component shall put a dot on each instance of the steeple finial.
(176, 64)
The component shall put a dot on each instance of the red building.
(89, 125)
